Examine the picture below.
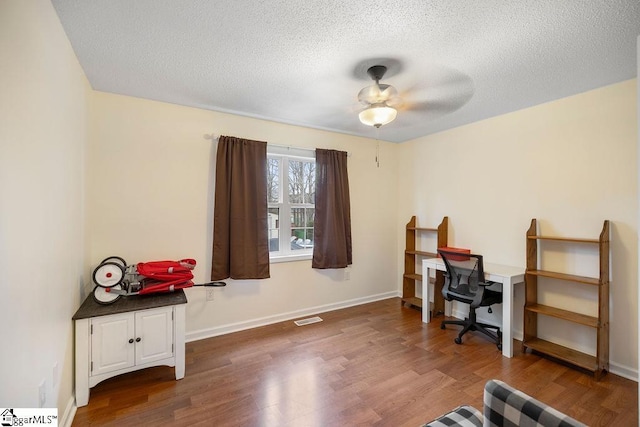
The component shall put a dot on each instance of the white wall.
(571, 164)
(42, 137)
(150, 196)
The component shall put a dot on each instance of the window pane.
(298, 233)
(273, 180)
(310, 177)
(310, 216)
(310, 235)
(298, 217)
(274, 232)
(299, 239)
(302, 181)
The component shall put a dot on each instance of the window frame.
(286, 154)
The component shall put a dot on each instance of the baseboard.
(69, 413)
(614, 368)
(623, 371)
(263, 321)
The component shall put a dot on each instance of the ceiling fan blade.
(438, 100)
(396, 102)
(376, 94)
(437, 107)
(442, 90)
(388, 91)
(369, 94)
(433, 106)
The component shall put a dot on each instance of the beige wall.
(571, 164)
(150, 196)
(42, 137)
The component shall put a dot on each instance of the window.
(291, 176)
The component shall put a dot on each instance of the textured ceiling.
(303, 61)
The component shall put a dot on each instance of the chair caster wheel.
(458, 340)
(442, 326)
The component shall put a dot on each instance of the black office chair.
(464, 281)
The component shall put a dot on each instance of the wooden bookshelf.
(411, 257)
(599, 363)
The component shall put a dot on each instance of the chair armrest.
(488, 283)
(504, 405)
(462, 416)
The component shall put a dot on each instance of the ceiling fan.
(442, 90)
(379, 99)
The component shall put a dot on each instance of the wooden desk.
(507, 275)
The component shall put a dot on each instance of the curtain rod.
(213, 137)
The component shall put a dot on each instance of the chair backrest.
(464, 274)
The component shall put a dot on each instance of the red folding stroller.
(114, 278)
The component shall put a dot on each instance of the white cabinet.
(110, 349)
(154, 335)
(132, 338)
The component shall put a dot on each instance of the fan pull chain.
(378, 147)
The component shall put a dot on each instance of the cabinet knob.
(138, 339)
(130, 340)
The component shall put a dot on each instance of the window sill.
(289, 258)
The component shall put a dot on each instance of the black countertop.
(124, 304)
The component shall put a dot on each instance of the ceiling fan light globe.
(378, 115)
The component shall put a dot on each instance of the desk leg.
(438, 298)
(507, 318)
(426, 288)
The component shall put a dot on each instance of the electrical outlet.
(210, 294)
(42, 394)
(347, 274)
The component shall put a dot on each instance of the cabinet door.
(110, 347)
(154, 335)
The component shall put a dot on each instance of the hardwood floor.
(374, 364)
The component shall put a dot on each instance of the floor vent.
(308, 321)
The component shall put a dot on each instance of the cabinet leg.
(82, 396)
(82, 362)
(179, 334)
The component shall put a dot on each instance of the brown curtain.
(332, 224)
(240, 244)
